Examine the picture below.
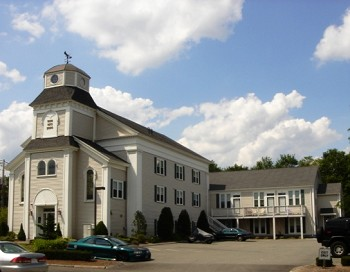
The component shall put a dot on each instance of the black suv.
(336, 235)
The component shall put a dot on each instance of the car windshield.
(117, 242)
(241, 230)
(11, 248)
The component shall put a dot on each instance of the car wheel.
(338, 249)
(240, 238)
(122, 256)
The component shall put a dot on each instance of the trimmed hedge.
(77, 255)
(328, 263)
(41, 244)
(345, 260)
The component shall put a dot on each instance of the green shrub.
(139, 224)
(345, 260)
(4, 228)
(40, 245)
(101, 229)
(21, 234)
(165, 225)
(326, 263)
(183, 226)
(202, 222)
(78, 255)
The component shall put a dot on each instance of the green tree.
(286, 161)
(165, 225)
(308, 161)
(202, 222)
(140, 224)
(213, 167)
(21, 234)
(101, 229)
(58, 230)
(183, 226)
(264, 163)
(335, 167)
(236, 167)
(48, 228)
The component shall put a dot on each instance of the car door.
(104, 248)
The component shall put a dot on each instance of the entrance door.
(282, 202)
(270, 204)
(44, 214)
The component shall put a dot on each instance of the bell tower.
(66, 75)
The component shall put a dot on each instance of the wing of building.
(84, 164)
(273, 202)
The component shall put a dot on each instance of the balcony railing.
(270, 211)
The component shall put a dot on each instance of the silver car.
(15, 258)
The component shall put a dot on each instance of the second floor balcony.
(256, 212)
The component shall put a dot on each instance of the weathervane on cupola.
(68, 57)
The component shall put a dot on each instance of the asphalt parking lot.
(253, 255)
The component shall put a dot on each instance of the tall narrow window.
(90, 185)
(118, 189)
(196, 199)
(160, 194)
(196, 176)
(41, 168)
(160, 166)
(179, 172)
(179, 197)
(51, 167)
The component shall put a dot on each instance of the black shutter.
(111, 188)
(183, 171)
(125, 189)
(175, 196)
(155, 193)
(184, 197)
(155, 164)
(164, 194)
(192, 176)
(175, 171)
(164, 167)
(199, 177)
(192, 198)
(217, 201)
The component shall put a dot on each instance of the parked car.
(233, 233)
(201, 236)
(336, 235)
(111, 248)
(13, 257)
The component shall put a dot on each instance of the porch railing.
(269, 211)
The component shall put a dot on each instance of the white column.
(26, 202)
(11, 200)
(274, 227)
(301, 228)
(105, 200)
(67, 207)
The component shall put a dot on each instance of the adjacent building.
(274, 202)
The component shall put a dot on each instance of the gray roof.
(269, 178)
(66, 67)
(62, 142)
(64, 94)
(150, 133)
(329, 189)
(46, 143)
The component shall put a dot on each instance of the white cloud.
(335, 43)
(14, 75)
(16, 127)
(28, 23)
(243, 130)
(139, 110)
(137, 35)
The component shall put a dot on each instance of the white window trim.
(179, 172)
(179, 197)
(160, 191)
(116, 188)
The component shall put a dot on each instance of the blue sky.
(232, 80)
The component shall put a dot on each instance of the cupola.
(66, 75)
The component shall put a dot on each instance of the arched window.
(51, 167)
(90, 185)
(22, 188)
(41, 168)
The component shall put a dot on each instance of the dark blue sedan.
(233, 233)
(108, 247)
